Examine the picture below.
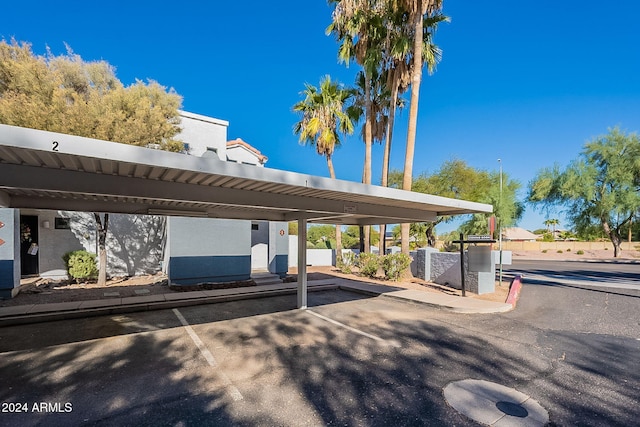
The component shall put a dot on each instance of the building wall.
(204, 250)
(242, 155)
(54, 243)
(134, 242)
(259, 245)
(9, 252)
(202, 133)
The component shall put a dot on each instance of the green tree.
(602, 186)
(322, 236)
(323, 117)
(351, 237)
(69, 95)
(457, 180)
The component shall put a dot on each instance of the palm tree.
(551, 222)
(358, 26)
(323, 117)
(378, 116)
(416, 11)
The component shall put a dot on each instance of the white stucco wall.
(315, 257)
(241, 154)
(202, 132)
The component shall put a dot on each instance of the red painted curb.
(514, 290)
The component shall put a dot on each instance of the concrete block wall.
(444, 268)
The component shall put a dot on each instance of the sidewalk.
(32, 313)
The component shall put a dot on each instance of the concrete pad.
(451, 302)
(141, 291)
(111, 294)
(494, 404)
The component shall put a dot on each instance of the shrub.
(346, 262)
(580, 252)
(559, 251)
(81, 265)
(569, 250)
(544, 251)
(368, 264)
(394, 264)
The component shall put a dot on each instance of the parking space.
(247, 362)
(349, 360)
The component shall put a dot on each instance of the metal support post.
(302, 263)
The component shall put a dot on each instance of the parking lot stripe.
(357, 331)
(233, 390)
(196, 339)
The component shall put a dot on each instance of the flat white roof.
(46, 170)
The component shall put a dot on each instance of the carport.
(46, 170)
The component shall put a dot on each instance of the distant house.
(517, 234)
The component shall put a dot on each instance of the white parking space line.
(357, 331)
(233, 390)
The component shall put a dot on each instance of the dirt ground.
(43, 291)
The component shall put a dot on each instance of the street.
(601, 274)
(349, 359)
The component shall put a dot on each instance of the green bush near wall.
(368, 264)
(394, 264)
(81, 265)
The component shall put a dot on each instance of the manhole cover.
(513, 409)
(494, 404)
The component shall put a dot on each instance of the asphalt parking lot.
(348, 360)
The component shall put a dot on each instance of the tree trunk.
(416, 78)
(332, 174)
(368, 143)
(614, 236)
(431, 237)
(387, 155)
(102, 228)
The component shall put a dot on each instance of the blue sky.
(525, 81)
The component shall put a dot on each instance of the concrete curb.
(21, 319)
(19, 315)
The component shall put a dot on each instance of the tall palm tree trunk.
(387, 153)
(416, 78)
(368, 143)
(332, 174)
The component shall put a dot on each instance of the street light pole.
(500, 225)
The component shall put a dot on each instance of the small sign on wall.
(480, 258)
(62, 223)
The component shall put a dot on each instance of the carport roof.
(46, 170)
